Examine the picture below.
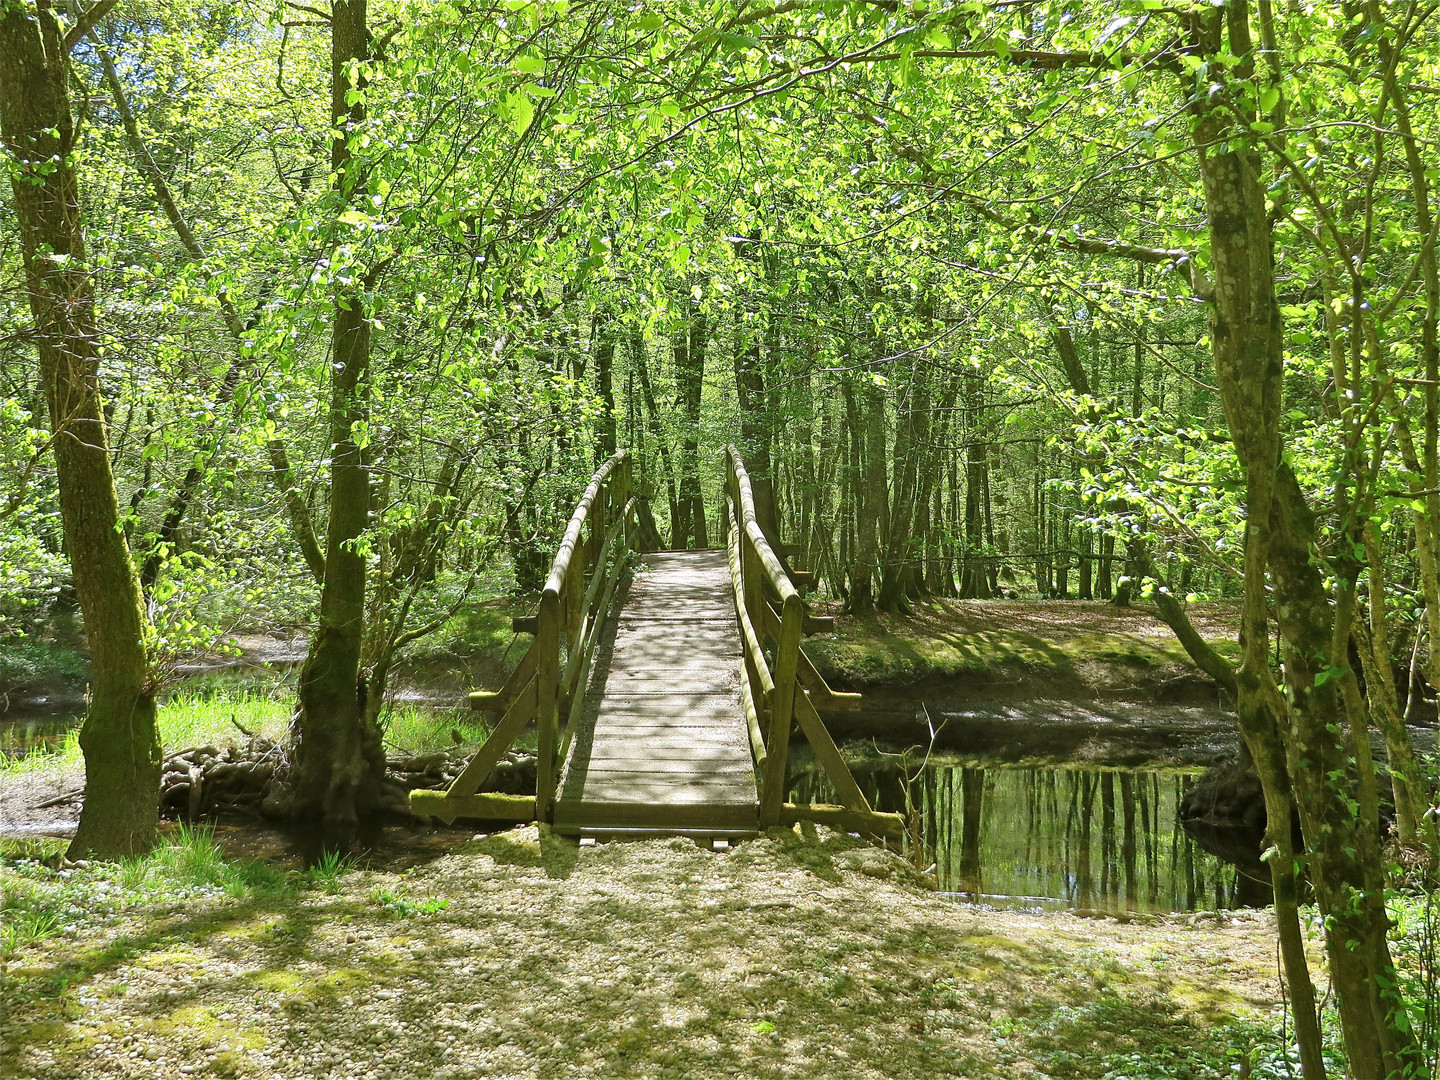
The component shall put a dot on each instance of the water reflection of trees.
(1092, 838)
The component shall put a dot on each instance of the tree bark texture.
(119, 740)
(338, 760)
(1327, 782)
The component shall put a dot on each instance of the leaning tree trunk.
(1247, 344)
(119, 740)
(339, 760)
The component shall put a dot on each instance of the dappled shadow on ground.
(1050, 620)
(803, 953)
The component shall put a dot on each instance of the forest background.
(1058, 298)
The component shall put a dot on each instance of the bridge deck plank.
(662, 743)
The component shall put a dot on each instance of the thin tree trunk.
(898, 540)
(755, 431)
(338, 759)
(975, 582)
(657, 429)
(1248, 347)
(689, 525)
(299, 512)
(605, 386)
(871, 504)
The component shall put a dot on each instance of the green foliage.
(41, 902)
(28, 662)
(401, 907)
(192, 860)
(326, 873)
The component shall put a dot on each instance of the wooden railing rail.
(549, 682)
(784, 687)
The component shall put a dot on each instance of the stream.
(1063, 835)
(1083, 838)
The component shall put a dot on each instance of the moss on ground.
(1053, 646)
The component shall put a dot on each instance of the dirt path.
(522, 955)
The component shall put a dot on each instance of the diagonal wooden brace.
(511, 724)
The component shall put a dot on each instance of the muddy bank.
(1042, 731)
(999, 650)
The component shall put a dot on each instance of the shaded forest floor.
(1009, 649)
(802, 953)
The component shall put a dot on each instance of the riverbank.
(802, 953)
(1010, 650)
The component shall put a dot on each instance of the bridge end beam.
(872, 823)
(490, 805)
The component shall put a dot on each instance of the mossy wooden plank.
(839, 817)
(490, 805)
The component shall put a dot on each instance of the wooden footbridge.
(665, 693)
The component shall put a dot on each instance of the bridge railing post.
(782, 711)
(547, 710)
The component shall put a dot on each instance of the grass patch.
(192, 720)
(41, 902)
(417, 729)
(192, 861)
(65, 754)
(184, 720)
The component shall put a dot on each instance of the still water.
(1101, 839)
(31, 730)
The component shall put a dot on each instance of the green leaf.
(529, 65)
(1269, 98)
(521, 112)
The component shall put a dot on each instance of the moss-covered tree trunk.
(1328, 767)
(338, 759)
(122, 750)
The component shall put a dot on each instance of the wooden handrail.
(745, 498)
(561, 602)
(779, 688)
(571, 609)
(560, 569)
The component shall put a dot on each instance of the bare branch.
(85, 22)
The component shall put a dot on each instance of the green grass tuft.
(184, 720)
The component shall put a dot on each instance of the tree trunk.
(755, 433)
(870, 503)
(899, 537)
(1328, 781)
(338, 759)
(605, 386)
(657, 429)
(689, 524)
(974, 581)
(119, 739)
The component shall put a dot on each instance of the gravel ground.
(22, 793)
(802, 953)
